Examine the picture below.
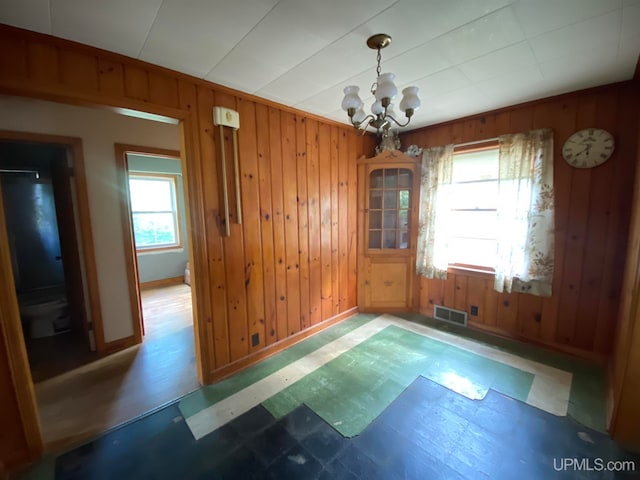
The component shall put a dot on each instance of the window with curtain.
(490, 209)
(154, 211)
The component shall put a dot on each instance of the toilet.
(45, 314)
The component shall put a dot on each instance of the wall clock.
(588, 148)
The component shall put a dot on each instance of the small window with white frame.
(154, 211)
(471, 204)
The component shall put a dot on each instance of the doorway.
(41, 213)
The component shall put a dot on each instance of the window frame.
(463, 149)
(173, 179)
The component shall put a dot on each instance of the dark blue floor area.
(428, 432)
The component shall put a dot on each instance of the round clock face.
(588, 148)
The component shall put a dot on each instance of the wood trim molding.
(163, 282)
(14, 345)
(74, 144)
(120, 344)
(274, 348)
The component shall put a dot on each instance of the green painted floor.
(352, 390)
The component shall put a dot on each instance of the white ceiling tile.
(292, 32)
(30, 14)
(194, 36)
(441, 83)
(545, 15)
(334, 64)
(598, 68)
(516, 84)
(489, 33)
(118, 25)
(324, 102)
(630, 31)
(579, 39)
(510, 58)
(414, 22)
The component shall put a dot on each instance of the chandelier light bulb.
(351, 98)
(377, 108)
(410, 99)
(386, 88)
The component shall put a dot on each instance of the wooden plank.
(576, 231)
(436, 293)
(355, 152)
(596, 240)
(449, 297)
(343, 218)
(460, 294)
(529, 315)
(43, 63)
(163, 89)
(324, 145)
(424, 306)
(303, 219)
(279, 250)
(313, 188)
(136, 83)
(560, 115)
(234, 255)
(290, 194)
(335, 210)
(111, 78)
(490, 303)
(13, 51)
(266, 223)
(507, 312)
(252, 235)
(624, 160)
(475, 297)
(217, 329)
(79, 70)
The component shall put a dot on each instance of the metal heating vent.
(450, 315)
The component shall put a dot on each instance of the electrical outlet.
(474, 310)
(255, 339)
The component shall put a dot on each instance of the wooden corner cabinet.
(388, 194)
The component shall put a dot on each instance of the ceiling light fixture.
(385, 92)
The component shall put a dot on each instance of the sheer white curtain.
(437, 167)
(525, 213)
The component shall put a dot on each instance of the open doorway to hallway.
(126, 379)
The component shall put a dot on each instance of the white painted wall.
(99, 130)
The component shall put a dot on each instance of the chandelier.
(385, 91)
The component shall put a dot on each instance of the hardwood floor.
(83, 402)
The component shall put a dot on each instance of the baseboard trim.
(253, 358)
(163, 282)
(593, 357)
(117, 345)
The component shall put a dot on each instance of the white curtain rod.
(466, 144)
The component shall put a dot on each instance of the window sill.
(173, 248)
(471, 271)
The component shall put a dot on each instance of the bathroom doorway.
(41, 218)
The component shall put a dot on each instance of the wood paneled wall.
(291, 264)
(592, 219)
(624, 381)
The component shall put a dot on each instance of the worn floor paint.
(362, 368)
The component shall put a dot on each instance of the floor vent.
(450, 315)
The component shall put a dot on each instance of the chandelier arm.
(397, 122)
(364, 120)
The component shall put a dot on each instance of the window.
(389, 208)
(471, 203)
(154, 211)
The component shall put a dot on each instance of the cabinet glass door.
(389, 208)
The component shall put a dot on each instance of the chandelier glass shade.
(385, 92)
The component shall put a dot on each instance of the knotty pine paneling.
(290, 265)
(592, 222)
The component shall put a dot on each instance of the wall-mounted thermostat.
(226, 117)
